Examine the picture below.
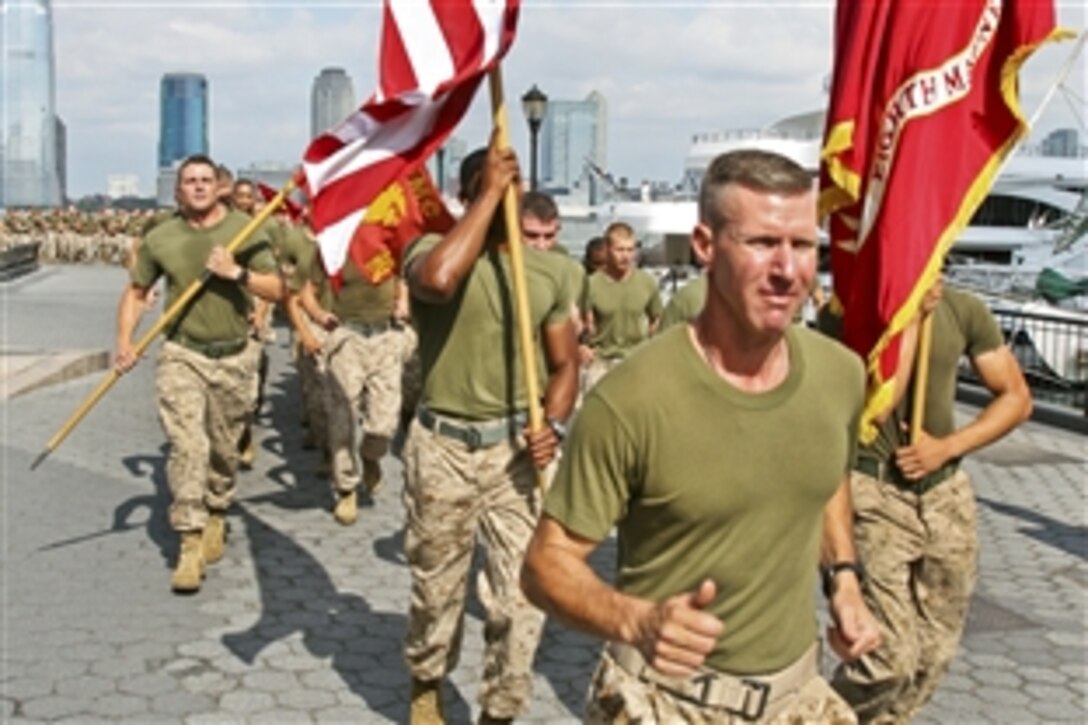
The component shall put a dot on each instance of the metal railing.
(1052, 350)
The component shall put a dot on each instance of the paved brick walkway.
(303, 618)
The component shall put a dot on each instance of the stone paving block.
(149, 685)
(26, 688)
(210, 682)
(306, 700)
(52, 707)
(246, 701)
(276, 682)
(118, 667)
(1059, 711)
(1002, 696)
(1049, 693)
(323, 680)
(1044, 675)
(214, 718)
(346, 714)
(84, 687)
(279, 716)
(182, 703)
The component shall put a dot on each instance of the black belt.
(368, 329)
(214, 350)
(890, 473)
(483, 434)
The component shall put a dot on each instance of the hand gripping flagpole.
(517, 265)
(149, 337)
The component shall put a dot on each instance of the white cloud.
(667, 70)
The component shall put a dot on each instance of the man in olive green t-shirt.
(362, 354)
(469, 462)
(915, 520)
(243, 199)
(299, 256)
(686, 304)
(621, 306)
(207, 367)
(719, 451)
(540, 229)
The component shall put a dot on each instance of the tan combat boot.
(214, 537)
(426, 703)
(347, 508)
(190, 568)
(372, 476)
(486, 719)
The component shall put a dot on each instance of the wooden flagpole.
(921, 377)
(179, 304)
(517, 264)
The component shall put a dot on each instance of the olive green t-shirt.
(468, 346)
(297, 251)
(576, 273)
(621, 311)
(357, 300)
(686, 304)
(703, 480)
(962, 325)
(176, 250)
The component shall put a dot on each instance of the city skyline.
(668, 72)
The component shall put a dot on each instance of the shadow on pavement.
(297, 596)
(157, 504)
(1070, 539)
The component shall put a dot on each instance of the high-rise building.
(183, 117)
(331, 100)
(61, 135)
(572, 132)
(27, 96)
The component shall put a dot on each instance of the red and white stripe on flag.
(924, 108)
(433, 55)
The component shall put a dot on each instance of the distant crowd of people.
(71, 236)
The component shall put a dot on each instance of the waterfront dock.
(302, 621)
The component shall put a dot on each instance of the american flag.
(433, 55)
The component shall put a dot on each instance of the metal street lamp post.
(534, 103)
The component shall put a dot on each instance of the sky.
(667, 70)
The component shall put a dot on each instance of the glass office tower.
(28, 147)
(183, 117)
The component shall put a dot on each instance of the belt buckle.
(754, 704)
(473, 438)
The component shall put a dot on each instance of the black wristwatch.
(243, 277)
(557, 427)
(828, 574)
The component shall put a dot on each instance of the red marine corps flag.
(408, 207)
(924, 108)
(433, 55)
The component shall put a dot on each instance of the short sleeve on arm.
(144, 270)
(592, 488)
